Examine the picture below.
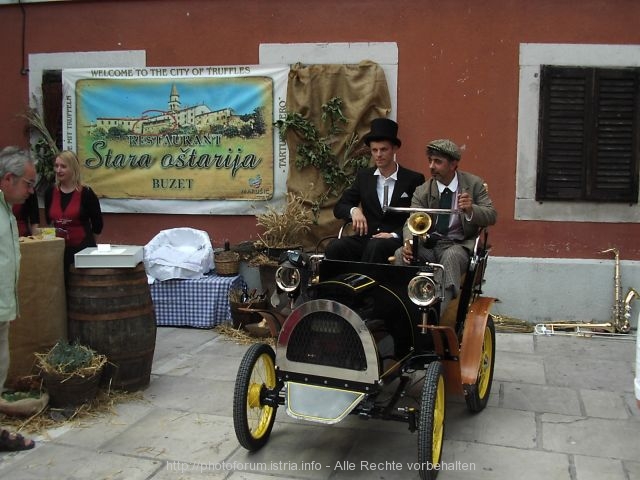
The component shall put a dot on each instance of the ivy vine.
(316, 150)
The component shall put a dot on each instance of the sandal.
(14, 442)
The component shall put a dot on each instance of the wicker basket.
(227, 263)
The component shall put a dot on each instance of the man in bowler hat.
(377, 234)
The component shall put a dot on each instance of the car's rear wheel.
(431, 423)
(252, 418)
(477, 395)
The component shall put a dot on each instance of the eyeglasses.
(31, 184)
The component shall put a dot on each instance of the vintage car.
(355, 329)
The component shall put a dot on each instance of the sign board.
(178, 139)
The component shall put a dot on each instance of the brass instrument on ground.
(580, 329)
(621, 309)
(619, 324)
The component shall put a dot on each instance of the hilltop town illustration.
(194, 120)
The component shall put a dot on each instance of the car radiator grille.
(324, 338)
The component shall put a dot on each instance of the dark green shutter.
(588, 134)
(52, 103)
(614, 166)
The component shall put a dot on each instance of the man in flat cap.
(377, 234)
(451, 237)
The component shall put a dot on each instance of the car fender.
(472, 339)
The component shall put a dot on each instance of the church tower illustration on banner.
(199, 117)
(174, 99)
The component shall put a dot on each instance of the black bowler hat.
(383, 129)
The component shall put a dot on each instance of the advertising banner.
(178, 139)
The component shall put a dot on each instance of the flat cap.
(445, 146)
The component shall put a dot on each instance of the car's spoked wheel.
(252, 419)
(431, 423)
(477, 395)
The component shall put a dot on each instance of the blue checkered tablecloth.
(200, 303)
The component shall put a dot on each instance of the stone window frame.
(532, 57)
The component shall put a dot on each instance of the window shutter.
(52, 103)
(589, 139)
(562, 149)
(614, 165)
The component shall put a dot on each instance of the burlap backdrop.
(363, 89)
(42, 301)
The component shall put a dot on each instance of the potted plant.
(70, 373)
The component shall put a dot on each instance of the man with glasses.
(17, 181)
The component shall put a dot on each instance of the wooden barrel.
(111, 311)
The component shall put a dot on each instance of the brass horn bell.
(419, 223)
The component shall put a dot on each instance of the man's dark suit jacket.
(362, 193)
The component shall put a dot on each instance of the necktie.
(442, 223)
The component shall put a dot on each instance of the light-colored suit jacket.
(484, 214)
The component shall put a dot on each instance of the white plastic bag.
(178, 253)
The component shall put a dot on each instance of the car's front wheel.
(252, 418)
(431, 423)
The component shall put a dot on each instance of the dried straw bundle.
(67, 360)
(510, 324)
(49, 418)
(241, 337)
(36, 121)
(45, 147)
(287, 226)
(260, 259)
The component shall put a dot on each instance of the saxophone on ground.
(619, 323)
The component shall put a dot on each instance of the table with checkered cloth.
(200, 303)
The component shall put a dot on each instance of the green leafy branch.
(317, 150)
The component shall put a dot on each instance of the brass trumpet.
(419, 223)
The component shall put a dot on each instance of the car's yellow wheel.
(252, 418)
(431, 423)
(477, 395)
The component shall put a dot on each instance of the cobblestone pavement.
(560, 408)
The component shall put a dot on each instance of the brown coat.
(484, 214)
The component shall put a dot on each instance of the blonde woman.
(72, 208)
